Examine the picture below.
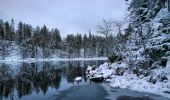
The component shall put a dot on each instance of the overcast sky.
(69, 16)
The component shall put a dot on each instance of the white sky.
(69, 16)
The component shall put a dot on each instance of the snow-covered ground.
(52, 59)
(129, 80)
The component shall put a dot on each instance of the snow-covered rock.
(78, 79)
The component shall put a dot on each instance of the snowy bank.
(51, 59)
(113, 75)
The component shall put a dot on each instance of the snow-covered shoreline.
(129, 80)
(54, 59)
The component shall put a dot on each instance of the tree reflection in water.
(38, 77)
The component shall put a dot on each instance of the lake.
(55, 81)
(40, 80)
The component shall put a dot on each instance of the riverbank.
(54, 59)
(119, 76)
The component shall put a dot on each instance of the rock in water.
(97, 79)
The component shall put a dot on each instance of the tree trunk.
(168, 4)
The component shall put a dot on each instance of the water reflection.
(38, 77)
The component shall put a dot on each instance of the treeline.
(25, 33)
(85, 45)
(30, 39)
(41, 41)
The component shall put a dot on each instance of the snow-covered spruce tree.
(44, 33)
(1, 30)
(12, 30)
(19, 35)
(148, 45)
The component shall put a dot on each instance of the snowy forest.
(137, 50)
(28, 42)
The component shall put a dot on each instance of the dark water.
(41, 80)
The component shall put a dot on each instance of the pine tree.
(27, 31)
(1, 29)
(36, 36)
(57, 39)
(85, 45)
(12, 30)
(8, 34)
(78, 41)
(44, 36)
(168, 4)
(44, 40)
(20, 32)
(35, 41)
